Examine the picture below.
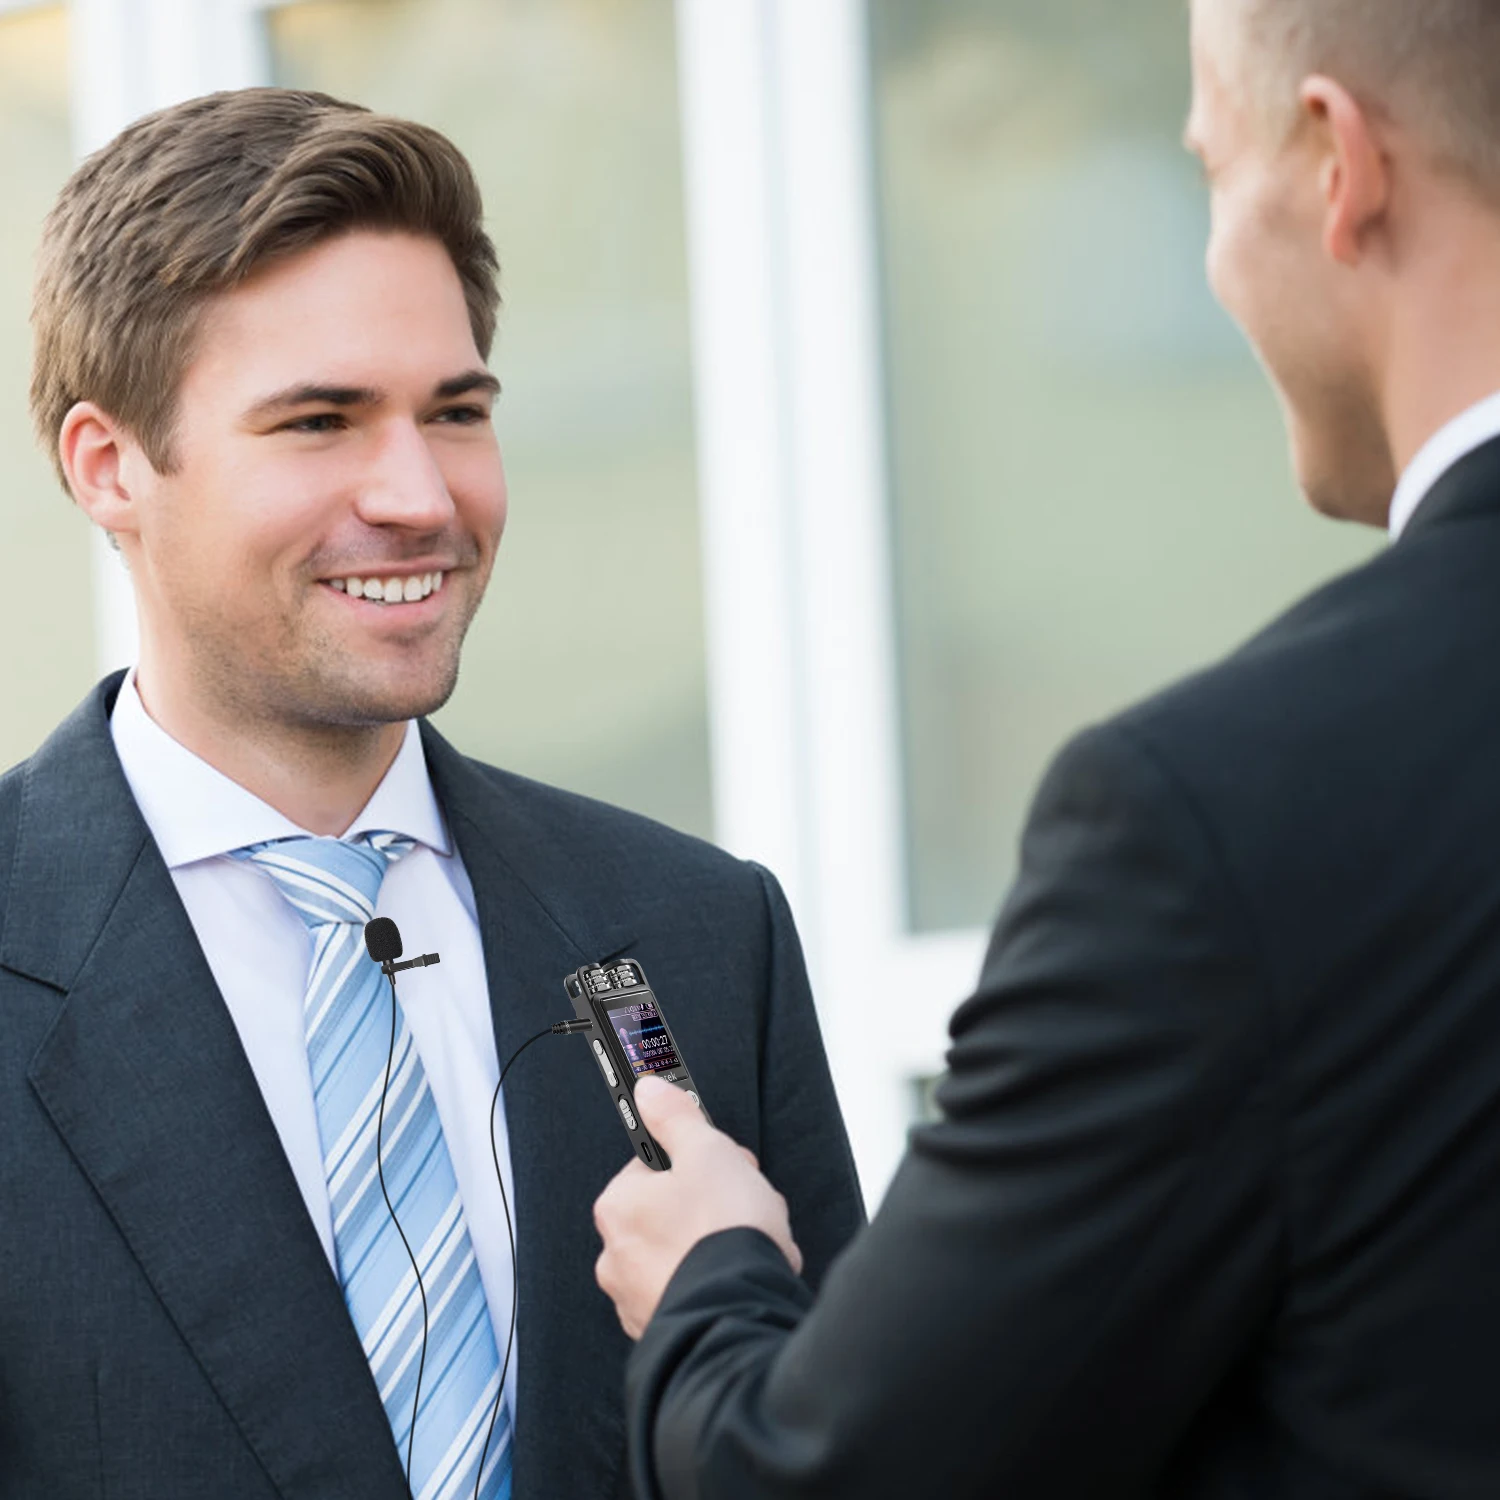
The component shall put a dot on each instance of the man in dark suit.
(261, 322)
(1213, 1206)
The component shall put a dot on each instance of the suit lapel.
(565, 1143)
(144, 1078)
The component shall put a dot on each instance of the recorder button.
(609, 1072)
(626, 1115)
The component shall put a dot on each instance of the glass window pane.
(585, 666)
(1091, 486)
(46, 617)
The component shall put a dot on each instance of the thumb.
(667, 1112)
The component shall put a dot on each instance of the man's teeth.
(389, 590)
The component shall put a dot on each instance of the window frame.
(788, 354)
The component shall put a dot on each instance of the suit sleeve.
(804, 1149)
(1071, 1260)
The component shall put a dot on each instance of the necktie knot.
(327, 879)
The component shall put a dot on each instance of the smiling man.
(262, 323)
(1212, 1211)
(309, 548)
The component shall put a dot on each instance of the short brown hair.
(1434, 65)
(188, 202)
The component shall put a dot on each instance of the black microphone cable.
(383, 944)
(561, 1028)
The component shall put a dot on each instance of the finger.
(625, 1175)
(668, 1113)
(615, 1189)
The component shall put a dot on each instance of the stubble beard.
(307, 683)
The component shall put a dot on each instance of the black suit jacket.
(1213, 1209)
(169, 1325)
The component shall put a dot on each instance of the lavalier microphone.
(383, 943)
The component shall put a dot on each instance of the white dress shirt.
(259, 951)
(1456, 440)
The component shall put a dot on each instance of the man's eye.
(322, 421)
(463, 416)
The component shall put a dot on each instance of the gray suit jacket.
(169, 1325)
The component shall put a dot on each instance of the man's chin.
(1365, 505)
(1324, 497)
(1344, 467)
(371, 703)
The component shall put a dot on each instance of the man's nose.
(404, 485)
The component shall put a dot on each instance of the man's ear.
(1355, 178)
(93, 449)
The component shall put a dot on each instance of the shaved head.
(1352, 154)
(1430, 66)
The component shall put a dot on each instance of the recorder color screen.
(643, 1038)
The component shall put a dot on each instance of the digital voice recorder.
(630, 1038)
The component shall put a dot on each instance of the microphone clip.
(390, 968)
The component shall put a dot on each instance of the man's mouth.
(407, 590)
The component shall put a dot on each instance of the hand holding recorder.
(650, 1220)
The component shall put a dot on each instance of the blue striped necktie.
(333, 885)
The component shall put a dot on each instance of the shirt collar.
(194, 811)
(1456, 440)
